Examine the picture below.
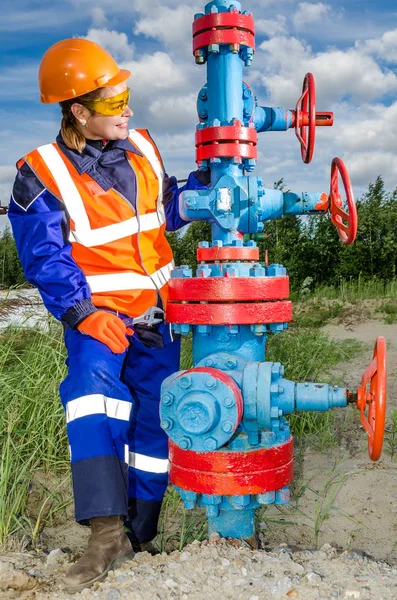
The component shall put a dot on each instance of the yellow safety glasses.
(110, 107)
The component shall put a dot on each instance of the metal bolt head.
(167, 424)
(231, 363)
(213, 48)
(212, 511)
(185, 443)
(227, 426)
(185, 381)
(266, 498)
(209, 362)
(211, 443)
(167, 399)
(241, 500)
(211, 383)
(229, 401)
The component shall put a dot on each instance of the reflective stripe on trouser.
(118, 450)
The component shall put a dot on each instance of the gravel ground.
(215, 570)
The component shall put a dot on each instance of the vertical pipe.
(225, 79)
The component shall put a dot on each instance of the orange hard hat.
(75, 67)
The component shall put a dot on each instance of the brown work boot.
(145, 547)
(108, 547)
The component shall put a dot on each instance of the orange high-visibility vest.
(123, 253)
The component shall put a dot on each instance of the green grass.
(316, 313)
(307, 356)
(352, 290)
(32, 430)
(389, 309)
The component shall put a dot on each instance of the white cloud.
(180, 112)
(338, 73)
(167, 25)
(310, 13)
(385, 47)
(271, 27)
(99, 18)
(369, 129)
(115, 42)
(7, 176)
(156, 72)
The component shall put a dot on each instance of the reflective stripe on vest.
(129, 280)
(75, 205)
(126, 259)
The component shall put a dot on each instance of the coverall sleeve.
(41, 229)
(197, 180)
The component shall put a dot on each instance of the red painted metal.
(323, 119)
(306, 134)
(229, 381)
(324, 202)
(225, 472)
(375, 400)
(347, 231)
(224, 28)
(231, 133)
(230, 314)
(226, 150)
(226, 141)
(229, 253)
(222, 289)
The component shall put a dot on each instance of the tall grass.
(32, 430)
(352, 290)
(308, 355)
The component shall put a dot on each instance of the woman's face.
(100, 127)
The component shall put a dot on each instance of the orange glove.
(108, 329)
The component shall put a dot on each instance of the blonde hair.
(70, 132)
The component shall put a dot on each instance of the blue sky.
(350, 46)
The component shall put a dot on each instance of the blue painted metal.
(272, 119)
(198, 412)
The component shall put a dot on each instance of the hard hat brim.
(121, 76)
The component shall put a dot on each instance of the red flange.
(226, 150)
(230, 314)
(223, 289)
(228, 473)
(224, 28)
(229, 253)
(233, 133)
(226, 141)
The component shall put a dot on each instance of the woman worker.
(89, 214)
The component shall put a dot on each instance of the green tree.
(11, 272)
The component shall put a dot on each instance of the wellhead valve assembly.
(230, 444)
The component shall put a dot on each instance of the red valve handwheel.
(375, 399)
(306, 134)
(347, 231)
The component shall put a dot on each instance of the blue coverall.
(119, 464)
